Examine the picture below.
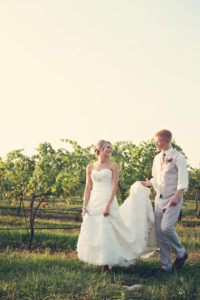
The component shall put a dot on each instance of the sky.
(87, 70)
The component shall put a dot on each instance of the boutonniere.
(168, 160)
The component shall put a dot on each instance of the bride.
(112, 235)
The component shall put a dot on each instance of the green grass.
(60, 213)
(59, 240)
(49, 273)
(65, 240)
(190, 222)
(44, 276)
(56, 241)
(188, 232)
(17, 222)
(189, 208)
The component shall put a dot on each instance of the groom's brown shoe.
(105, 268)
(179, 262)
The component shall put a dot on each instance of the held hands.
(106, 211)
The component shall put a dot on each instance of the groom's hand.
(173, 201)
(175, 198)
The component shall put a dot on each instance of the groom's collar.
(168, 152)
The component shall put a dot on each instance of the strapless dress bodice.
(101, 189)
(102, 179)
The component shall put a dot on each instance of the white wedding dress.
(125, 234)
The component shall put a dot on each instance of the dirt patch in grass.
(71, 255)
(192, 255)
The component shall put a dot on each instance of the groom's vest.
(167, 177)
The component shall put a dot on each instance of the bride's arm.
(146, 183)
(115, 178)
(87, 190)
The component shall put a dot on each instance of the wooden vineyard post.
(20, 204)
(196, 201)
(180, 217)
(31, 222)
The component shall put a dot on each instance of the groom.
(169, 179)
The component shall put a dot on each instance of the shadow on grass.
(58, 275)
(143, 270)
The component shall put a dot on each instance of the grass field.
(53, 271)
(26, 275)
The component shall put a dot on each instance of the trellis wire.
(49, 209)
(41, 228)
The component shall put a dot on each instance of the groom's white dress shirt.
(159, 170)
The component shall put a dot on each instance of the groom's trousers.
(165, 218)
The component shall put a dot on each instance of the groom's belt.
(161, 196)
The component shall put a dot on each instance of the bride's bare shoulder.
(114, 165)
(90, 167)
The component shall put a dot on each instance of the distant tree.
(193, 191)
(17, 170)
(71, 181)
(62, 173)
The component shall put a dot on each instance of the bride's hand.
(85, 211)
(106, 211)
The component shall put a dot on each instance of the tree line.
(61, 173)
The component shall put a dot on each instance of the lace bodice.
(101, 179)
(102, 184)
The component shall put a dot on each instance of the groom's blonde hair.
(165, 134)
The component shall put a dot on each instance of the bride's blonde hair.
(99, 146)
